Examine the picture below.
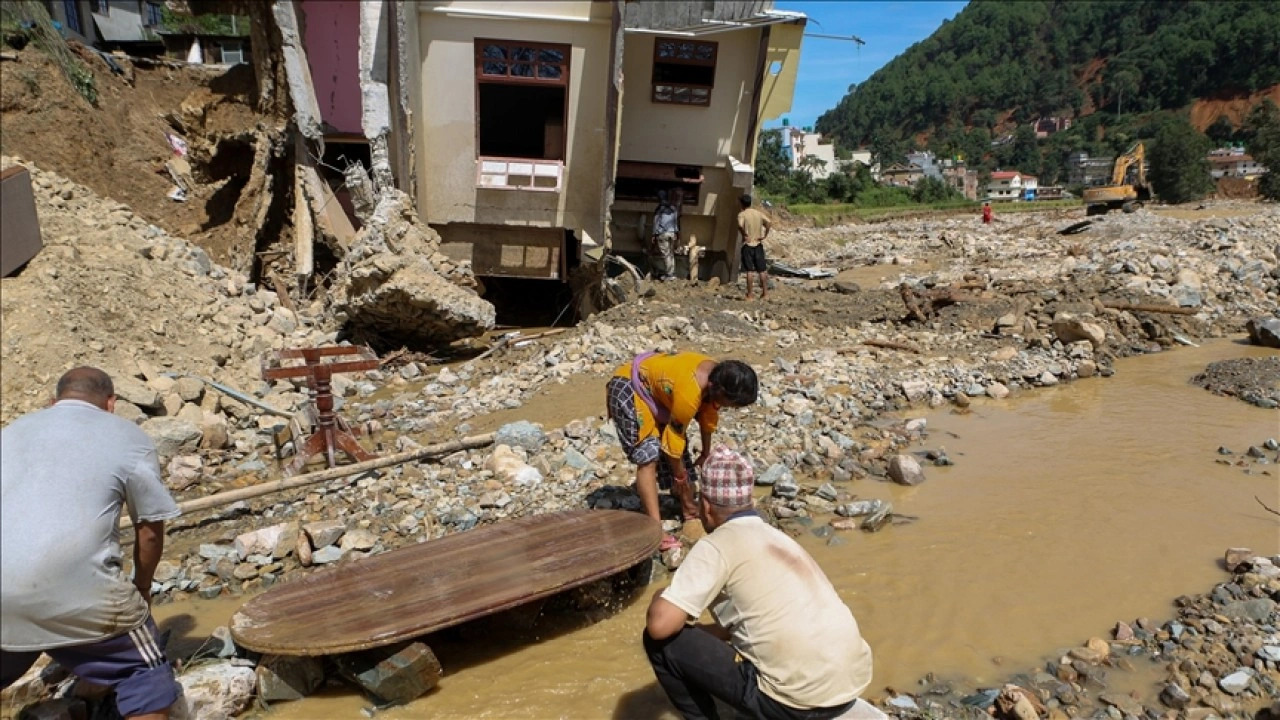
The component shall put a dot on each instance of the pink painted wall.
(332, 40)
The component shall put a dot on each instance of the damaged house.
(503, 135)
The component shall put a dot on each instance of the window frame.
(152, 14)
(654, 84)
(222, 49)
(100, 7)
(483, 78)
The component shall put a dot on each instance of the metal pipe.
(233, 393)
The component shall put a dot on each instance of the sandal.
(669, 542)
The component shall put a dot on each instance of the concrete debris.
(394, 281)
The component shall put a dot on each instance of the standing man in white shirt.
(65, 474)
(782, 645)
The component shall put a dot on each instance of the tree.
(1262, 129)
(931, 190)
(1179, 170)
(1026, 153)
(772, 165)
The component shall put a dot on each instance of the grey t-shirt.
(65, 472)
(666, 219)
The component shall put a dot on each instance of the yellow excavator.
(1128, 188)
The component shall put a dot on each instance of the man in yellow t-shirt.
(754, 227)
(653, 399)
(782, 643)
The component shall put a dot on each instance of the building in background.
(807, 152)
(1233, 162)
(511, 130)
(149, 28)
(1089, 171)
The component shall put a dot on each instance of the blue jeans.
(694, 668)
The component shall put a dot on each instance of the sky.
(828, 67)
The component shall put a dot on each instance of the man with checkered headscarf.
(782, 645)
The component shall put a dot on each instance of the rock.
(786, 487)
(521, 434)
(130, 412)
(1235, 557)
(1257, 610)
(1122, 632)
(1047, 378)
(794, 404)
(847, 287)
(905, 470)
(1069, 329)
(395, 674)
(172, 436)
(775, 473)
(1125, 703)
(324, 533)
(214, 691)
(286, 677)
(189, 389)
(1237, 682)
(358, 539)
(1086, 369)
(326, 555)
(134, 391)
(63, 708)
(302, 550)
(1270, 653)
(184, 471)
(215, 432)
(997, 391)
(265, 541)
(1264, 331)
(915, 390)
(510, 468)
(1174, 696)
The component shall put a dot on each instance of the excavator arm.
(1121, 194)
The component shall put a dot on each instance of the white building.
(809, 153)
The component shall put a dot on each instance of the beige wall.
(446, 115)
(689, 134)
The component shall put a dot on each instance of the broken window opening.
(684, 71)
(521, 100)
(641, 181)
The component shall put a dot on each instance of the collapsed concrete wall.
(395, 283)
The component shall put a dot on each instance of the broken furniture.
(19, 224)
(319, 366)
(390, 598)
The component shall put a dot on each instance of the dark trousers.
(694, 668)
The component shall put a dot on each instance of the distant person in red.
(986, 213)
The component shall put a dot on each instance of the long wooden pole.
(1165, 309)
(226, 498)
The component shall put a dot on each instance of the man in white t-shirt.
(782, 644)
(65, 473)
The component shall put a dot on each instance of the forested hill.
(1037, 58)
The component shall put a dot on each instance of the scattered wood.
(924, 304)
(1165, 309)
(891, 345)
(226, 498)
(1264, 505)
(282, 291)
(1075, 228)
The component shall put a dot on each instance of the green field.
(835, 213)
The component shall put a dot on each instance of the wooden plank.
(416, 590)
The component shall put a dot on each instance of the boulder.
(521, 434)
(265, 541)
(214, 691)
(172, 436)
(1070, 329)
(395, 674)
(137, 392)
(905, 470)
(286, 677)
(1264, 331)
(509, 467)
(324, 533)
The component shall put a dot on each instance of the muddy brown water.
(1068, 509)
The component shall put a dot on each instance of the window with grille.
(232, 53)
(521, 99)
(154, 16)
(684, 71)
